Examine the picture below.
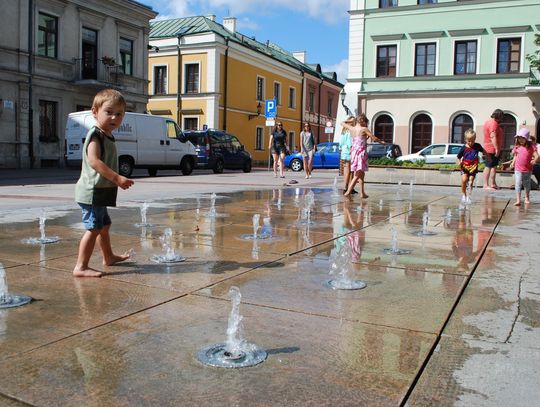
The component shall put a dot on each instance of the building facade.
(206, 74)
(54, 57)
(424, 71)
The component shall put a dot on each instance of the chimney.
(300, 55)
(230, 24)
(211, 17)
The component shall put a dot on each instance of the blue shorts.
(491, 160)
(94, 217)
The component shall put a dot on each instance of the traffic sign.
(271, 122)
(270, 108)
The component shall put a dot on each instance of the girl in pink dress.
(359, 159)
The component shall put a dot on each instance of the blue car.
(326, 156)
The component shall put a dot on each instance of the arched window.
(509, 127)
(384, 128)
(421, 132)
(460, 124)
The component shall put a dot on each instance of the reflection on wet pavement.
(131, 337)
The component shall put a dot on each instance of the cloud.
(329, 11)
(341, 69)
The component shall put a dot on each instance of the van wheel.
(218, 168)
(152, 172)
(247, 166)
(125, 166)
(186, 166)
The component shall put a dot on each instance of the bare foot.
(527, 202)
(88, 272)
(116, 259)
(517, 203)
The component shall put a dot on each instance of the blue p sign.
(270, 108)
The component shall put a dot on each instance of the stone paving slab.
(150, 359)
(416, 301)
(479, 373)
(204, 265)
(64, 306)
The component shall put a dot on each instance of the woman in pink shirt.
(525, 156)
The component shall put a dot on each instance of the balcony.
(105, 72)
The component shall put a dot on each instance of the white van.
(142, 141)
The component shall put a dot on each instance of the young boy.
(467, 158)
(99, 181)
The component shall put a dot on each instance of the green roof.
(201, 24)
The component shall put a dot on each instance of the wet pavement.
(455, 322)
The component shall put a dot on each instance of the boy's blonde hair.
(108, 95)
(470, 134)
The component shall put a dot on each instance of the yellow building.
(225, 78)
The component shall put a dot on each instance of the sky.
(318, 27)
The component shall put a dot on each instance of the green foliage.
(391, 162)
(534, 58)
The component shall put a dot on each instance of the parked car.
(442, 153)
(218, 150)
(326, 156)
(388, 150)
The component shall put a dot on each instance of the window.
(427, 1)
(330, 107)
(292, 98)
(386, 60)
(191, 123)
(425, 59)
(465, 58)
(89, 53)
(509, 127)
(311, 100)
(384, 128)
(460, 125)
(388, 3)
(260, 88)
(160, 80)
(47, 35)
(126, 56)
(259, 139)
(47, 122)
(508, 55)
(192, 78)
(171, 129)
(421, 132)
(277, 92)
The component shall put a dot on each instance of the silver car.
(441, 153)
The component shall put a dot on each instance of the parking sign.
(270, 108)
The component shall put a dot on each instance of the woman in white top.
(307, 148)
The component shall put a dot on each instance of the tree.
(534, 58)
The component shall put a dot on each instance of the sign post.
(329, 129)
(270, 112)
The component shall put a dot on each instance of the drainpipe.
(302, 110)
(30, 73)
(178, 83)
(226, 83)
(319, 114)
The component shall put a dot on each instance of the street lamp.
(342, 96)
(252, 116)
